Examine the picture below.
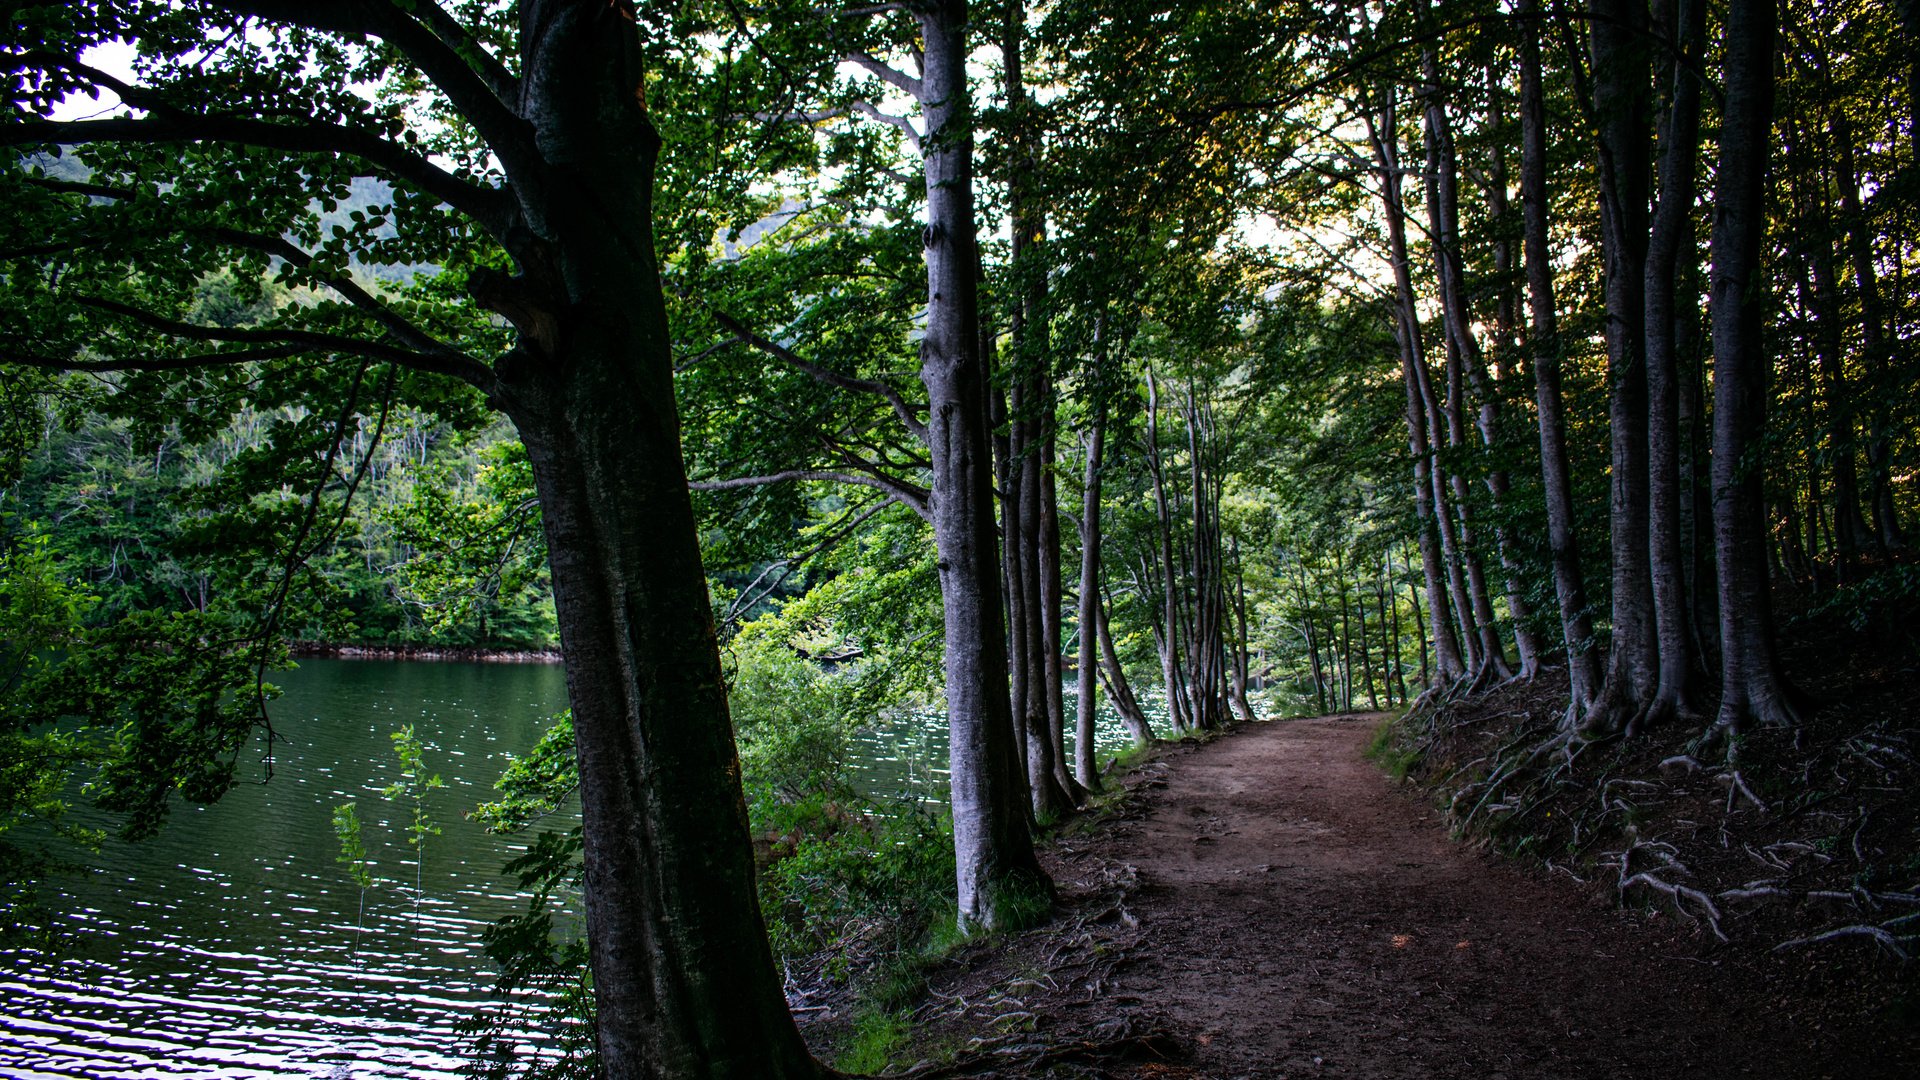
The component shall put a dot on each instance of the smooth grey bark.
(1448, 666)
(1620, 43)
(1040, 522)
(1177, 707)
(1752, 687)
(1085, 767)
(1237, 687)
(1463, 362)
(993, 848)
(1683, 22)
(1569, 583)
(1118, 689)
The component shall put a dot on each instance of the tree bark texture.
(1085, 767)
(1569, 583)
(684, 983)
(1621, 103)
(1752, 689)
(1683, 22)
(993, 848)
(1448, 663)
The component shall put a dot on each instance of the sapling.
(353, 852)
(413, 786)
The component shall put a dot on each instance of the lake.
(235, 945)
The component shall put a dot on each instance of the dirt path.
(1289, 913)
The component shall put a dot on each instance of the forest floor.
(1271, 904)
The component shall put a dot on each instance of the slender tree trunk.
(1346, 634)
(992, 846)
(1684, 22)
(1420, 628)
(1170, 653)
(1053, 604)
(1118, 688)
(1876, 333)
(1620, 44)
(1449, 666)
(1238, 687)
(1313, 638)
(1752, 687)
(1463, 362)
(1013, 582)
(1583, 668)
(1084, 765)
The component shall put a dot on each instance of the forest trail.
(1285, 911)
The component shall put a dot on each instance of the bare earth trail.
(1292, 914)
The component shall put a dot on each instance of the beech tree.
(521, 150)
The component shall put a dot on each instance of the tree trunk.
(1118, 688)
(1449, 666)
(1084, 766)
(1169, 599)
(1621, 81)
(1752, 687)
(993, 849)
(1683, 22)
(1237, 689)
(1876, 333)
(684, 983)
(1569, 585)
(1463, 362)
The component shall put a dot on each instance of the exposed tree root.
(1027, 1058)
(1884, 938)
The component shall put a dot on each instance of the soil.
(1270, 904)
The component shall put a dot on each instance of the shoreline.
(472, 654)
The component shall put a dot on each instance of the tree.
(1752, 687)
(522, 152)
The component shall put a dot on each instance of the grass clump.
(1387, 750)
(878, 1035)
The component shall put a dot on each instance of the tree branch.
(887, 73)
(490, 207)
(299, 340)
(901, 408)
(913, 498)
(459, 364)
(164, 363)
(869, 109)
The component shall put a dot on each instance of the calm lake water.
(234, 944)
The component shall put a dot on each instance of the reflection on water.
(235, 945)
(228, 945)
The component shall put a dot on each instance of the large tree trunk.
(1683, 22)
(993, 849)
(1621, 83)
(684, 983)
(1569, 584)
(1752, 687)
